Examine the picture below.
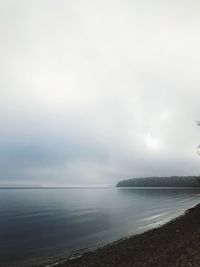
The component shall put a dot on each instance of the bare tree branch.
(198, 148)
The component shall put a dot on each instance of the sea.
(40, 224)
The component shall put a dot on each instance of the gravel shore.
(176, 243)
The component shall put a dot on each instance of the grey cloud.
(94, 91)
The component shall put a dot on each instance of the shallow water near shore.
(42, 223)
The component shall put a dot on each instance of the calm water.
(38, 223)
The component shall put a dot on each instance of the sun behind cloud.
(152, 142)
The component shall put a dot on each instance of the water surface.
(39, 223)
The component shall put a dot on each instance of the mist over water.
(39, 223)
(91, 93)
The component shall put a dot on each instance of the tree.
(198, 148)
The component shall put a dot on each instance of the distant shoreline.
(157, 181)
(59, 187)
(111, 187)
(176, 243)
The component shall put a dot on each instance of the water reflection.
(40, 223)
(160, 192)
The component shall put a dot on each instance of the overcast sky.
(93, 91)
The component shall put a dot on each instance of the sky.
(92, 92)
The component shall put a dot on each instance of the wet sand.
(176, 243)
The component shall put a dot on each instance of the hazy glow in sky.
(95, 91)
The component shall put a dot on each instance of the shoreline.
(176, 243)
